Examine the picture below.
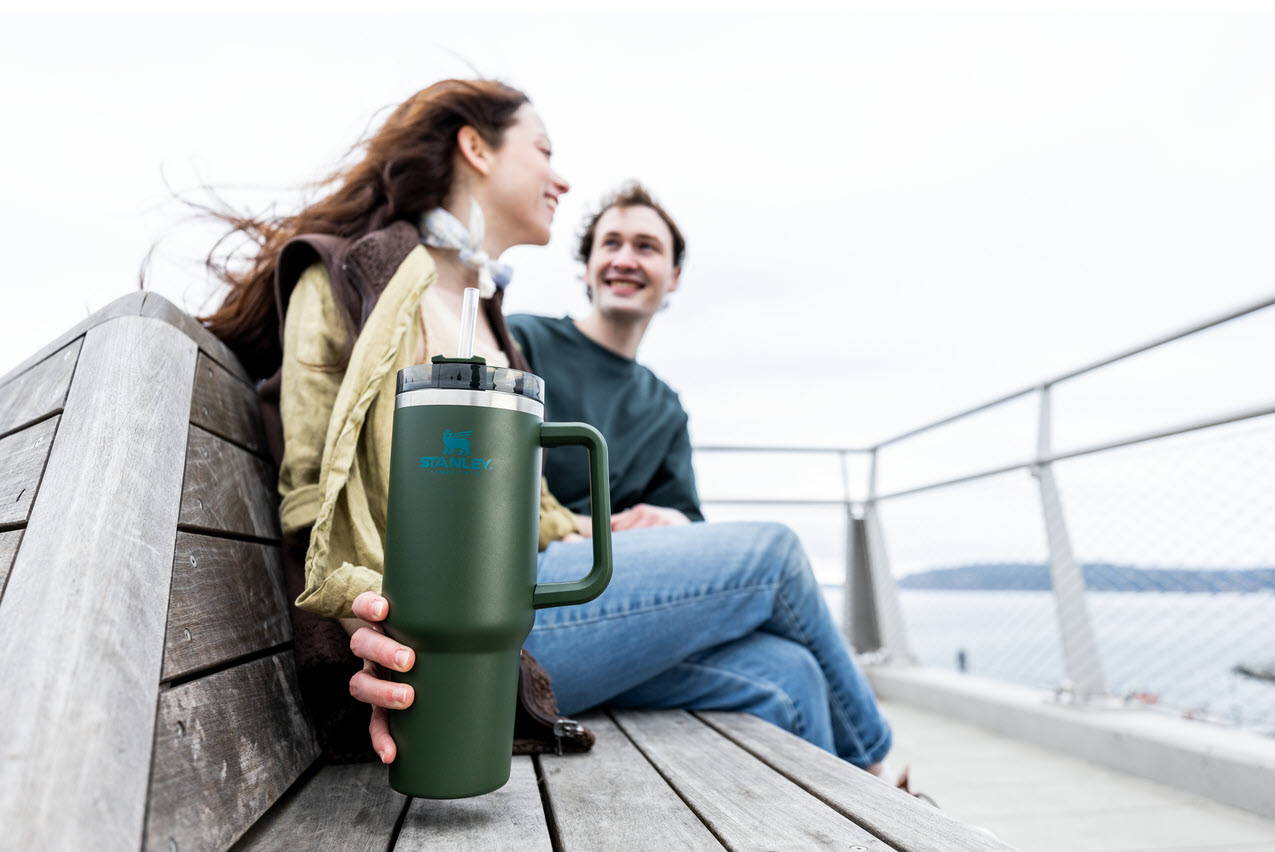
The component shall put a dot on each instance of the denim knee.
(779, 538)
(783, 549)
(778, 546)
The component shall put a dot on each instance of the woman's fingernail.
(378, 609)
(385, 756)
(400, 659)
(400, 695)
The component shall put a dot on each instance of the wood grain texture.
(82, 619)
(227, 746)
(228, 489)
(350, 807)
(746, 803)
(9, 542)
(157, 307)
(226, 406)
(38, 391)
(22, 458)
(891, 814)
(512, 818)
(613, 792)
(227, 601)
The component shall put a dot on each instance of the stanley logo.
(456, 457)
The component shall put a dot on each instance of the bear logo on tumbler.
(456, 443)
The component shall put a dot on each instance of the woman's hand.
(370, 643)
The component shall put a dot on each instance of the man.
(789, 664)
(632, 252)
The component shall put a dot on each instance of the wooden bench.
(150, 699)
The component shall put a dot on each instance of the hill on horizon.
(1099, 577)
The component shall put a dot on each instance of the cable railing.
(1151, 583)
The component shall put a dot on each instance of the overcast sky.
(892, 213)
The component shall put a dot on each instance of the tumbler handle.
(582, 591)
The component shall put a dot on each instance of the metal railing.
(871, 601)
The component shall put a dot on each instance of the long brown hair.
(406, 170)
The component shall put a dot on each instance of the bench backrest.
(150, 697)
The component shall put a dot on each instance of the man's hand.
(645, 515)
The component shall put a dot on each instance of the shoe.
(902, 784)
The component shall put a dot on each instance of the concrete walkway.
(1036, 799)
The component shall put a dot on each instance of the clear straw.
(468, 321)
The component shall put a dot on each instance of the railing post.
(885, 595)
(850, 576)
(862, 630)
(1080, 648)
(858, 606)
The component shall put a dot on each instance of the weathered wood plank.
(746, 803)
(227, 601)
(22, 458)
(8, 549)
(228, 489)
(891, 814)
(38, 391)
(82, 619)
(227, 746)
(225, 406)
(129, 305)
(350, 807)
(613, 791)
(511, 818)
(144, 304)
(157, 307)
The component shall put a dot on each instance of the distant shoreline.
(1099, 577)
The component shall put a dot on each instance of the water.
(1177, 650)
(1172, 651)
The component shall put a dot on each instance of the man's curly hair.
(631, 194)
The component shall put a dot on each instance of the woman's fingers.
(372, 690)
(378, 649)
(381, 649)
(370, 606)
(382, 742)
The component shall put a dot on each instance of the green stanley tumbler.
(462, 537)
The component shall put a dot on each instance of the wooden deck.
(655, 780)
(150, 695)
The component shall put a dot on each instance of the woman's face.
(520, 191)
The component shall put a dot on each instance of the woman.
(724, 616)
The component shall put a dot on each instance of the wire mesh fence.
(1137, 563)
(1177, 541)
(968, 561)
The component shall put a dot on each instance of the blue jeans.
(709, 617)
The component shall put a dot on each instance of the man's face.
(630, 269)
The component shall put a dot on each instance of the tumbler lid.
(473, 374)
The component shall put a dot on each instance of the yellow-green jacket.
(334, 476)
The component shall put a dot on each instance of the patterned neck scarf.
(441, 229)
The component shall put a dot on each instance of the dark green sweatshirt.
(641, 418)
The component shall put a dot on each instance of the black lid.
(470, 374)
